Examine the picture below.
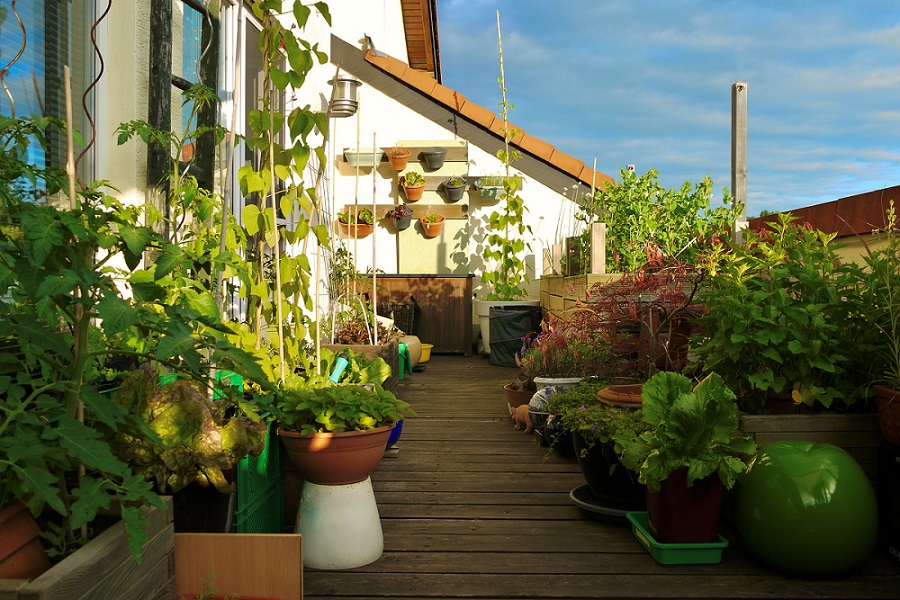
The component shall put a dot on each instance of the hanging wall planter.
(398, 157)
(455, 188)
(364, 158)
(489, 187)
(356, 225)
(413, 185)
(432, 225)
(434, 157)
(401, 215)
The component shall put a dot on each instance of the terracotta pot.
(398, 158)
(413, 193)
(888, 412)
(685, 515)
(517, 397)
(21, 553)
(432, 229)
(623, 396)
(357, 230)
(336, 458)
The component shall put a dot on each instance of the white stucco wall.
(382, 122)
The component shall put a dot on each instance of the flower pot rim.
(287, 432)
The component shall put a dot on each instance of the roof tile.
(537, 147)
(425, 83)
(395, 67)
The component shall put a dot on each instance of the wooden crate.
(105, 570)
(860, 435)
(390, 352)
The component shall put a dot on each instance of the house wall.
(383, 122)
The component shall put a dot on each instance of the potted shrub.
(401, 215)
(432, 224)
(434, 157)
(455, 188)
(359, 223)
(593, 425)
(783, 317)
(398, 157)
(336, 434)
(413, 185)
(688, 452)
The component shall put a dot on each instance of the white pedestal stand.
(340, 525)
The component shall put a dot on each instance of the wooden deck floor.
(472, 508)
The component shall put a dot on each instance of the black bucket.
(509, 324)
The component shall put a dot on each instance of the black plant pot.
(434, 157)
(455, 193)
(618, 489)
(403, 222)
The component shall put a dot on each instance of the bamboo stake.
(374, 248)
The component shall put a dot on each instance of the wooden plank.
(471, 508)
(551, 585)
(249, 564)
(104, 568)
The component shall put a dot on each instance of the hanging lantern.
(344, 103)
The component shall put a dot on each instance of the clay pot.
(398, 157)
(336, 458)
(21, 553)
(432, 229)
(413, 193)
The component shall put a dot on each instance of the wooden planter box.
(860, 435)
(105, 570)
(390, 352)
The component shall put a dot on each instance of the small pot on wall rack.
(432, 225)
(398, 157)
(455, 188)
(434, 157)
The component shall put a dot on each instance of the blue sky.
(648, 82)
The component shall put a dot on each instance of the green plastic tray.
(675, 554)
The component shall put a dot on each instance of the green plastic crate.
(259, 498)
(675, 554)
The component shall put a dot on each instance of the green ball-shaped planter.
(806, 509)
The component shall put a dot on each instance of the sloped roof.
(854, 215)
(480, 126)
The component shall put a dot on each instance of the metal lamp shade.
(345, 101)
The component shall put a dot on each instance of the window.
(39, 38)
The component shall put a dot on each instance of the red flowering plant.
(565, 347)
(646, 317)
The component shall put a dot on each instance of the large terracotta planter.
(623, 396)
(21, 553)
(336, 458)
